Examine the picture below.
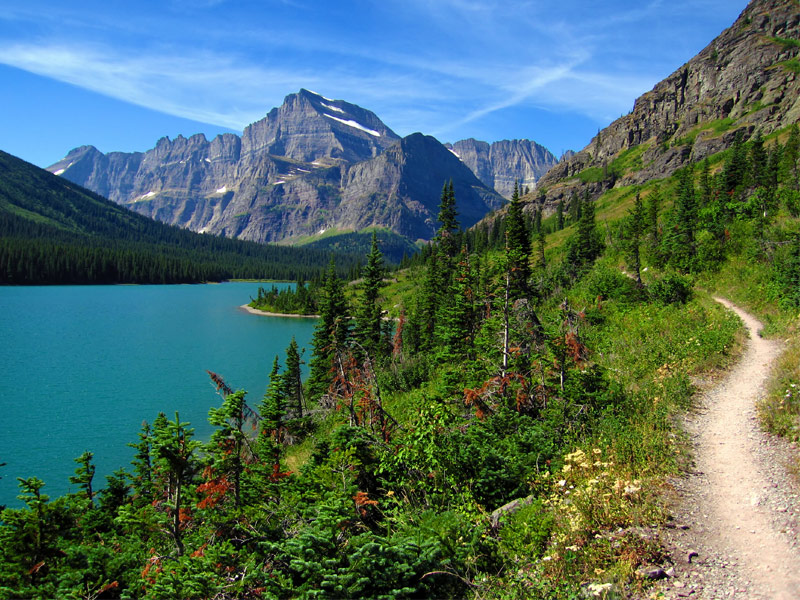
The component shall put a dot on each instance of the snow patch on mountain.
(350, 123)
(333, 108)
(321, 96)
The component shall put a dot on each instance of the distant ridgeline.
(53, 231)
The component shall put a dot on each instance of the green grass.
(591, 175)
(629, 160)
(792, 65)
(786, 42)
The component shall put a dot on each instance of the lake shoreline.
(264, 313)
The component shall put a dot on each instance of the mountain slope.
(311, 166)
(745, 80)
(54, 231)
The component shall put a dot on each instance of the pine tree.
(448, 217)
(635, 230)
(428, 300)
(228, 450)
(681, 245)
(585, 245)
(758, 162)
(455, 323)
(791, 158)
(331, 333)
(368, 327)
(272, 410)
(734, 175)
(517, 248)
(142, 480)
(560, 214)
(84, 474)
(174, 462)
(292, 379)
(652, 231)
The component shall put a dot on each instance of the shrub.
(671, 289)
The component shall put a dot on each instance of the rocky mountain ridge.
(746, 80)
(500, 164)
(312, 166)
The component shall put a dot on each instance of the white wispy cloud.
(209, 88)
(449, 63)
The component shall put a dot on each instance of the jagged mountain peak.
(308, 127)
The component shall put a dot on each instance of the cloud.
(210, 88)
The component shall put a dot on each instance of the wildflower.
(596, 450)
(572, 548)
(562, 483)
(599, 589)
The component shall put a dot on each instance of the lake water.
(81, 367)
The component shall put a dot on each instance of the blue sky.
(120, 75)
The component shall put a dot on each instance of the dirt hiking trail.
(735, 533)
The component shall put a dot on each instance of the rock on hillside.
(747, 79)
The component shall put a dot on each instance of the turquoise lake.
(81, 367)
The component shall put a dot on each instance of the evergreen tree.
(369, 324)
(586, 244)
(272, 410)
(791, 158)
(680, 244)
(175, 463)
(331, 333)
(574, 208)
(635, 229)
(84, 474)
(448, 217)
(652, 230)
(517, 248)
(292, 379)
(734, 174)
(759, 162)
(454, 327)
(431, 298)
(142, 480)
(560, 214)
(228, 450)
(706, 184)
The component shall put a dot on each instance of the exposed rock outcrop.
(747, 79)
(500, 164)
(311, 165)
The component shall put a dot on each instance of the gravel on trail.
(736, 517)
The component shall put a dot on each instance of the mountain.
(54, 231)
(744, 82)
(500, 164)
(313, 166)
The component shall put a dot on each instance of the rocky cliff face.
(500, 164)
(311, 165)
(747, 79)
